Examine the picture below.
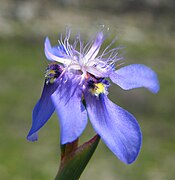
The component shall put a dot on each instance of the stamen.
(52, 73)
(97, 86)
(98, 89)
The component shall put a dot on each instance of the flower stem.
(74, 159)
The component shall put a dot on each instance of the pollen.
(98, 89)
(52, 73)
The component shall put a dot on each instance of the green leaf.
(73, 164)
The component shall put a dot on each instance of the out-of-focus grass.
(22, 64)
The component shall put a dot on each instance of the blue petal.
(42, 111)
(117, 127)
(47, 49)
(56, 53)
(71, 111)
(135, 76)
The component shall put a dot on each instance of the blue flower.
(76, 86)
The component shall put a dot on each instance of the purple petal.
(71, 111)
(135, 76)
(55, 53)
(48, 49)
(92, 53)
(42, 111)
(117, 127)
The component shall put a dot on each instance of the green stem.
(74, 159)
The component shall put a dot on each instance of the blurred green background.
(146, 29)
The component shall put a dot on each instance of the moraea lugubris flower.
(76, 86)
